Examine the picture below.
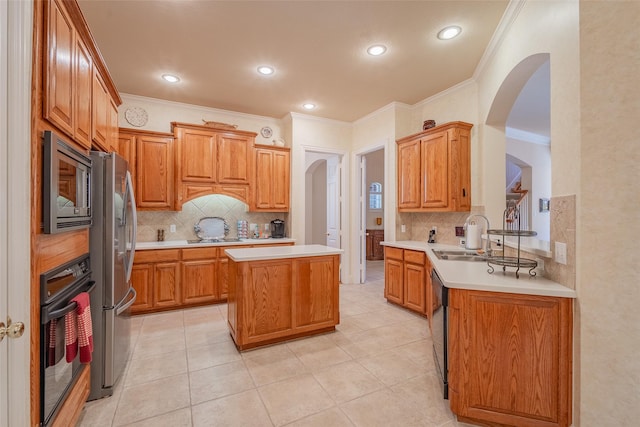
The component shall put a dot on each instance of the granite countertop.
(180, 244)
(473, 275)
(280, 252)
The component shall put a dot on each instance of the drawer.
(395, 253)
(161, 255)
(414, 257)
(210, 252)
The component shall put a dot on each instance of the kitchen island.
(279, 293)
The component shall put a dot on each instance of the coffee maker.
(277, 229)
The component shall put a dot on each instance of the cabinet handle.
(464, 192)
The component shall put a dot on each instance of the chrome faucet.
(488, 249)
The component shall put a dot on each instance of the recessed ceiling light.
(449, 32)
(265, 70)
(171, 78)
(376, 50)
(308, 106)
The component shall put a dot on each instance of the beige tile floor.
(376, 369)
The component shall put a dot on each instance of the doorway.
(371, 208)
(323, 198)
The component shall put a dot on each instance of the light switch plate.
(172, 228)
(403, 228)
(560, 254)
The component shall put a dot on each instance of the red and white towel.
(79, 330)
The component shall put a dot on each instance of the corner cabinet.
(510, 358)
(272, 182)
(210, 161)
(434, 169)
(407, 279)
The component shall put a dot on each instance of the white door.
(333, 202)
(363, 202)
(16, 27)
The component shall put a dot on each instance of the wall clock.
(136, 116)
(266, 132)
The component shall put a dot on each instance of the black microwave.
(66, 186)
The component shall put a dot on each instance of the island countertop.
(280, 252)
(473, 275)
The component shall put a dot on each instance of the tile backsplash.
(232, 210)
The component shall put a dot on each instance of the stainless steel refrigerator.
(112, 242)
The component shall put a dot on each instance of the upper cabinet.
(151, 163)
(212, 161)
(272, 179)
(78, 92)
(434, 169)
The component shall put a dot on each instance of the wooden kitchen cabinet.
(156, 278)
(510, 358)
(174, 278)
(154, 170)
(199, 275)
(272, 182)
(434, 169)
(407, 279)
(100, 106)
(375, 250)
(210, 161)
(157, 144)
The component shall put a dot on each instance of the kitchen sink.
(459, 255)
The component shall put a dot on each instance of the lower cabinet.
(407, 279)
(375, 251)
(166, 279)
(510, 358)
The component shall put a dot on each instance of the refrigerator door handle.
(129, 303)
(134, 225)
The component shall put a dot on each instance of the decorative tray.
(211, 228)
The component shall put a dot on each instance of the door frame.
(16, 37)
(360, 206)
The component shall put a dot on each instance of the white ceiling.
(317, 48)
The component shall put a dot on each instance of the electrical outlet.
(403, 228)
(560, 254)
(172, 228)
(463, 242)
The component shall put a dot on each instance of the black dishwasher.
(439, 329)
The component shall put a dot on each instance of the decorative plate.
(266, 132)
(136, 116)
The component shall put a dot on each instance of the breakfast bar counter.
(279, 293)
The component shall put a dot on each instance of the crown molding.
(163, 102)
(395, 105)
(444, 93)
(525, 136)
(508, 18)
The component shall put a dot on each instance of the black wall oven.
(57, 376)
(439, 330)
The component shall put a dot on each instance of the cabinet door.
(316, 292)
(166, 290)
(267, 298)
(100, 113)
(223, 276)
(141, 280)
(126, 148)
(83, 84)
(154, 172)
(198, 281)
(414, 287)
(58, 106)
(377, 249)
(435, 171)
(369, 241)
(272, 180)
(197, 151)
(233, 161)
(393, 280)
(511, 358)
(460, 149)
(112, 129)
(409, 177)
